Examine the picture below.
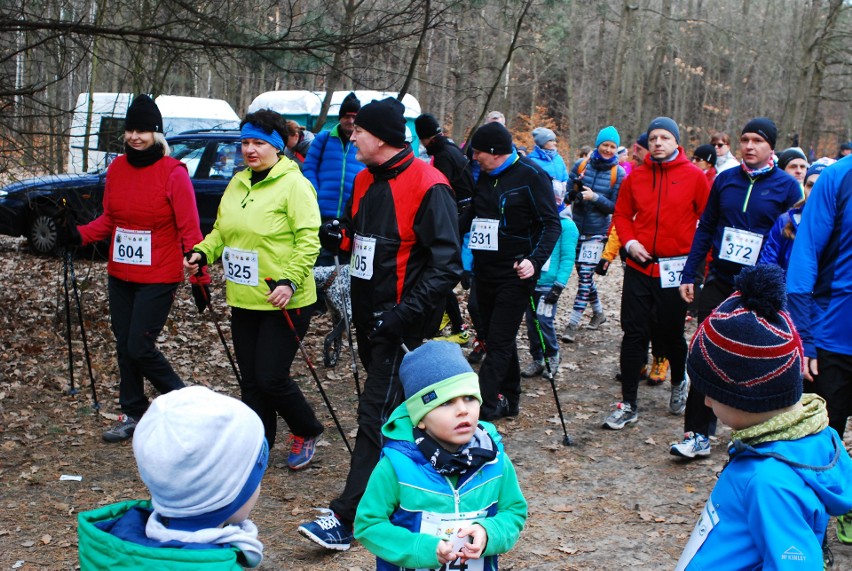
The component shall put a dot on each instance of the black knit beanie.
(426, 126)
(350, 104)
(788, 155)
(764, 127)
(385, 120)
(492, 138)
(747, 353)
(706, 153)
(143, 115)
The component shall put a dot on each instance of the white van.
(106, 124)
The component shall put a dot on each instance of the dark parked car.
(30, 207)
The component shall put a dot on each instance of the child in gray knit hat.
(788, 471)
(444, 492)
(202, 456)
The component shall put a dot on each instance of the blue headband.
(216, 517)
(251, 131)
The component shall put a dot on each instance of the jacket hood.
(677, 161)
(821, 462)
(540, 154)
(399, 427)
(282, 167)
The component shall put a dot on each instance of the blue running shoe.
(301, 452)
(328, 531)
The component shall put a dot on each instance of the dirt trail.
(613, 500)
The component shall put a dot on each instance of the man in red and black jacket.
(655, 217)
(402, 230)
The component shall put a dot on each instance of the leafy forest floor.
(613, 500)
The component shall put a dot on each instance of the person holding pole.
(401, 228)
(151, 218)
(267, 225)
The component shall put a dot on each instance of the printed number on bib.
(240, 266)
(447, 526)
(740, 246)
(708, 520)
(363, 253)
(671, 270)
(590, 252)
(483, 234)
(132, 247)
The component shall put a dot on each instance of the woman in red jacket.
(151, 219)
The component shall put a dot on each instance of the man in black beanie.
(331, 166)
(401, 227)
(514, 226)
(743, 205)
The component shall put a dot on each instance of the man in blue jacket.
(743, 205)
(819, 288)
(331, 167)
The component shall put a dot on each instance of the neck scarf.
(600, 163)
(143, 158)
(469, 458)
(241, 535)
(791, 425)
(510, 160)
(754, 173)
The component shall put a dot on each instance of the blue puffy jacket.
(331, 167)
(558, 268)
(592, 217)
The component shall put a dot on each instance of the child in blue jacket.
(788, 471)
(554, 277)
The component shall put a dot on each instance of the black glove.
(466, 278)
(201, 295)
(553, 295)
(66, 230)
(602, 267)
(388, 326)
(202, 262)
(330, 236)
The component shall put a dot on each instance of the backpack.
(613, 172)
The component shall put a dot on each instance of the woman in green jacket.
(267, 226)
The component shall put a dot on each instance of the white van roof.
(300, 102)
(195, 107)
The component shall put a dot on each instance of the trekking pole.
(95, 404)
(349, 333)
(214, 316)
(271, 285)
(71, 389)
(566, 440)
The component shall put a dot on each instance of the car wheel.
(42, 233)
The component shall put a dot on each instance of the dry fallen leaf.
(46, 538)
(562, 508)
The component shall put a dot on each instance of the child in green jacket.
(202, 456)
(444, 489)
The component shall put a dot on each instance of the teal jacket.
(279, 219)
(99, 549)
(558, 268)
(404, 486)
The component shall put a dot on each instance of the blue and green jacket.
(404, 486)
(113, 537)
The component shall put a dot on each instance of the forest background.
(572, 65)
